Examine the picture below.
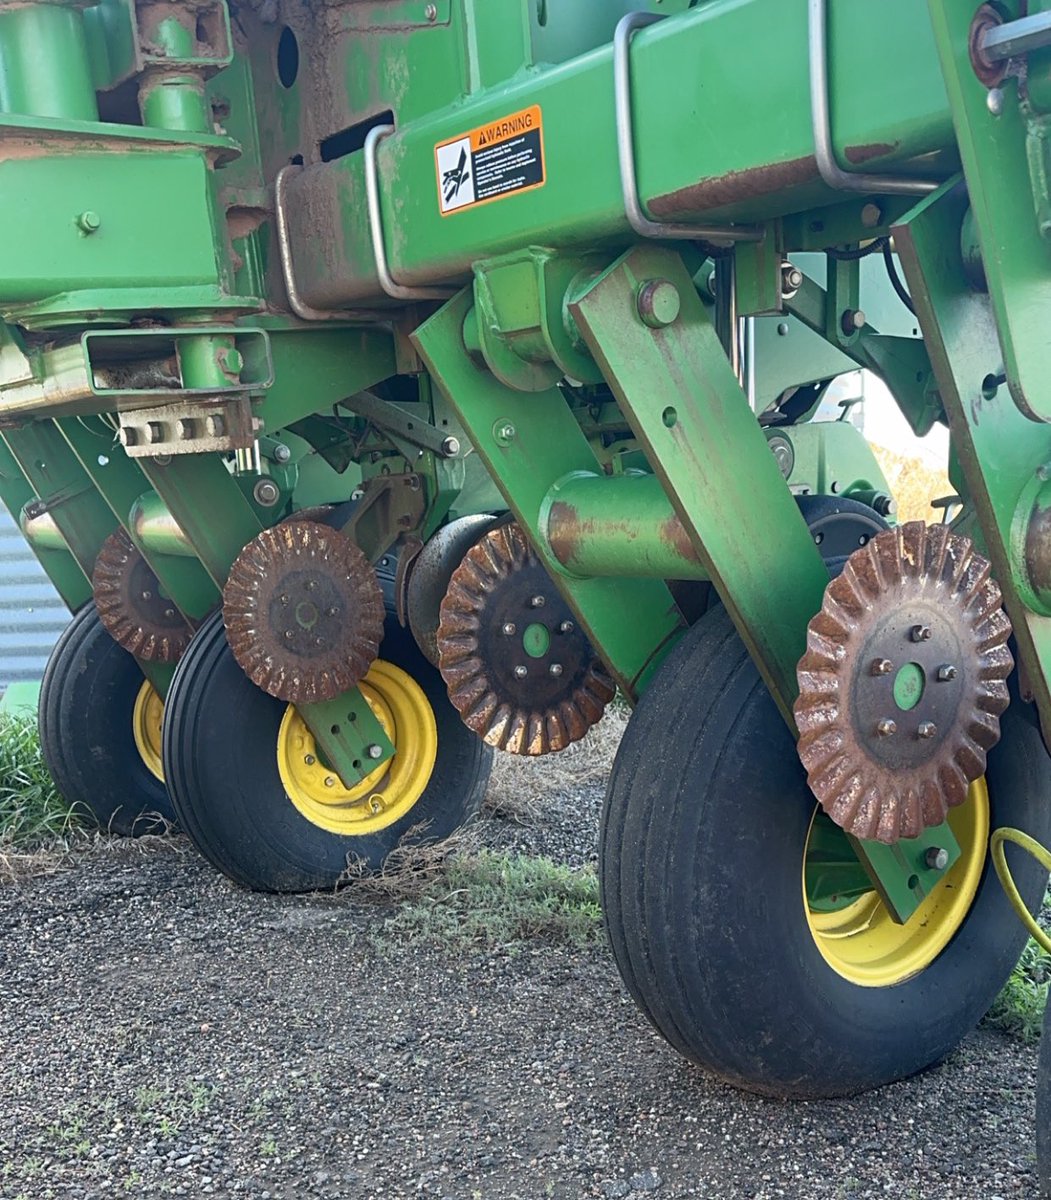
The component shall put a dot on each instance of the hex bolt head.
(374, 751)
(886, 727)
(521, 672)
(882, 666)
(431, 12)
(936, 858)
(147, 596)
(332, 612)
(89, 222)
(927, 729)
(170, 613)
(946, 673)
(791, 280)
(329, 781)
(852, 321)
(920, 633)
(658, 303)
(566, 627)
(509, 629)
(266, 493)
(555, 669)
(282, 453)
(538, 601)
(451, 447)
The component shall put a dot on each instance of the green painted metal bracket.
(1005, 458)
(62, 568)
(120, 482)
(529, 441)
(901, 873)
(1017, 259)
(678, 391)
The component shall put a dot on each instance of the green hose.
(1042, 855)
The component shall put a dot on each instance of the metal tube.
(621, 526)
(831, 172)
(151, 524)
(44, 67)
(174, 100)
(40, 531)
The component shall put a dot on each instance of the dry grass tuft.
(411, 868)
(519, 785)
(914, 483)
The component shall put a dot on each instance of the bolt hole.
(914, 882)
(287, 58)
(335, 730)
(991, 385)
(352, 717)
(357, 764)
(909, 685)
(669, 417)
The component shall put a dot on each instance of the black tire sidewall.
(86, 725)
(220, 747)
(730, 971)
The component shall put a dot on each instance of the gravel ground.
(165, 1033)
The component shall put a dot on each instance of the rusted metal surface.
(736, 187)
(303, 612)
(903, 682)
(520, 690)
(864, 154)
(131, 605)
(990, 72)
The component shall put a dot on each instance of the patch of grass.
(32, 813)
(499, 900)
(1019, 1008)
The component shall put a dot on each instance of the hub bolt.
(538, 602)
(853, 321)
(374, 751)
(266, 493)
(886, 727)
(555, 669)
(920, 633)
(521, 672)
(946, 673)
(509, 629)
(882, 666)
(936, 857)
(566, 627)
(927, 729)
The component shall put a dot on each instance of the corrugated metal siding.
(31, 613)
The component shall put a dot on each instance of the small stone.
(646, 1180)
(615, 1189)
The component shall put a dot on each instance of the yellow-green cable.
(1042, 855)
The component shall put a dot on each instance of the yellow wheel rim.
(862, 943)
(386, 794)
(146, 719)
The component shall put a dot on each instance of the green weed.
(32, 813)
(1019, 1008)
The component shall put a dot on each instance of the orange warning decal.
(492, 161)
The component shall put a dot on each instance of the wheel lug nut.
(920, 633)
(927, 729)
(882, 666)
(936, 857)
(566, 627)
(329, 781)
(555, 669)
(521, 672)
(309, 759)
(886, 727)
(509, 629)
(374, 751)
(538, 601)
(946, 673)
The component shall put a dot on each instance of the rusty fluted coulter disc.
(131, 605)
(519, 670)
(903, 682)
(303, 612)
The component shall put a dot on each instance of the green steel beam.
(678, 391)
(529, 442)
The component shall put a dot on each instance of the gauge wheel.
(100, 731)
(250, 788)
(711, 852)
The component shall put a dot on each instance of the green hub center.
(908, 686)
(536, 640)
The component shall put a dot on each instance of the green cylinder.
(153, 526)
(44, 66)
(176, 100)
(620, 526)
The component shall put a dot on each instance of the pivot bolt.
(936, 858)
(538, 602)
(374, 751)
(882, 666)
(266, 493)
(451, 447)
(566, 627)
(658, 303)
(555, 669)
(852, 321)
(791, 280)
(920, 633)
(521, 672)
(886, 727)
(946, 673)
(282, 453)
(927, 729)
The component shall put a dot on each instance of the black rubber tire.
(87, 699)
(701, 852)
(220, 735)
